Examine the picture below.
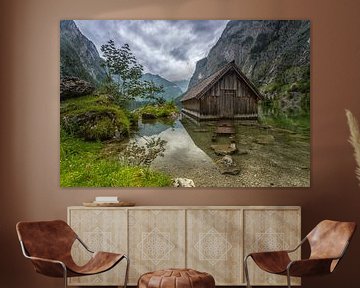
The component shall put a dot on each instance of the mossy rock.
(158, 111)
(265, 139)
(148, 116)
(72, 87)
(94, 118)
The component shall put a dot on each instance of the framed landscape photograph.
(185, 103)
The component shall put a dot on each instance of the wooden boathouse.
(226, 94)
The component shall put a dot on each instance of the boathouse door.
(226, 103)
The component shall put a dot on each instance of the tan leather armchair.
(328, 242)
(48, 245)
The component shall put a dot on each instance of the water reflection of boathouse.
(226, 94)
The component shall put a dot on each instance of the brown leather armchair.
(48, 245)
(328, 242)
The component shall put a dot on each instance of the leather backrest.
(46, 239)
(329, 238)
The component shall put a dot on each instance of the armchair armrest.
(83, 244)
(309, 267)
(298, 246)
(314, 266)
(280, 252)
(49, 267)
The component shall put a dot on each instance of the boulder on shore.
(231, 171)
(224, 149)
(183, 182)
(227, 160)
(227, 166)
(72, 87)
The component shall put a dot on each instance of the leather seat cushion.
(176, 278)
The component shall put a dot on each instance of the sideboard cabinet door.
(101, 230)
(269, 230)
(156, 240)
(214, 244)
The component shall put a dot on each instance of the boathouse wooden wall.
(229, 97)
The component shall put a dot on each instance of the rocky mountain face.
(72, 87)
(78, 55)
(183, 84)
(273, 54)
(171, 90)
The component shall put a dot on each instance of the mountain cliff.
(273, 54)
(78, 55)
(183, 84)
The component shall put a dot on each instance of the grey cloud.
(169, 48)
(179, 53)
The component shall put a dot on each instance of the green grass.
(299, 124)
(158, 111)
(82, 164)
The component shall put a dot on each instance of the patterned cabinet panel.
(214, 244)
(101, 230)
(267, 230)
(156, 240)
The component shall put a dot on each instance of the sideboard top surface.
(193, 207)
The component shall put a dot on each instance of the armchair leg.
(246, 270)
(127, 271)
(65, 276)
(288, 278)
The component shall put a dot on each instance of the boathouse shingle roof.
(200, 88)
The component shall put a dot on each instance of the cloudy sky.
(169, 48)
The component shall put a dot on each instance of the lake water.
(282, 161)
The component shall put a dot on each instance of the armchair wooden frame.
(59, 267)
(320, 262)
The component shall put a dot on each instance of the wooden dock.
(225, 127)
